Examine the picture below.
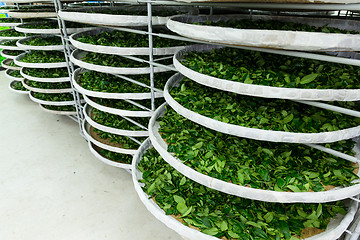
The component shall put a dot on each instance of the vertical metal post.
(151, 56)
(70, 65)
(18, 7)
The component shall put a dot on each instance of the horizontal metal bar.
(135, 140)
(137, 82)
(137, 104)
(73, 118)
(163, 58)
(151, 62)
(334, 152)
(331, 108)
(126, 29)
(170, 68)
(134, 122)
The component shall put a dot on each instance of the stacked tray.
(117, 90)
(45, 74)
(224, 142)
(116, 87)
(10, 51)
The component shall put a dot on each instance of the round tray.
(87, 113)
(255, 133)
(9, 24)
(17, 91)
(290, 40)
(4, 11)
(19, 28)
(7, 73)
(79, 15)
(116, 111)
(37, 79)
(86, 129)
(41, 90)
(10, 38)
(17, 61)
(32, 14)
(242, 191)
(133, 96)
(117, 50)
(336, 227)
(52, 103)
(78, 54)
(8, 47)
(6, 61)
(7, 56)
(57, 112)
(107, 161)
(260, 90)
(20, 45)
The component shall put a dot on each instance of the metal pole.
(70, 66)
(151, 56)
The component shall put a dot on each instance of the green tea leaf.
(293, 188)
(179, 199)
(181, 207)
(309, 78)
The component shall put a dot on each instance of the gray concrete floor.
(53, 188)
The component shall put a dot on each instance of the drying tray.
(254, 133)
(7, 56)
(8, 47)
(42, 90)
(160, 145)
(117, 50)
(37, 79)
(20, 44)
(4, 11)
(5, 62)
(120, 112)
(17, 91)
(10, 38)
(9, 24)
(335, 228)
(18, 61)
(7, 73)
(86, 127)
(80, 15)
(107, 161)
(87, 114)
(52, 103)
(19, 28)
(260, 90)
(57, 112)
(77, 55)
(36, 13)
(130, 95)
(279, 39)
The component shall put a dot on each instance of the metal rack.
(153, 91)
(152, 62)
